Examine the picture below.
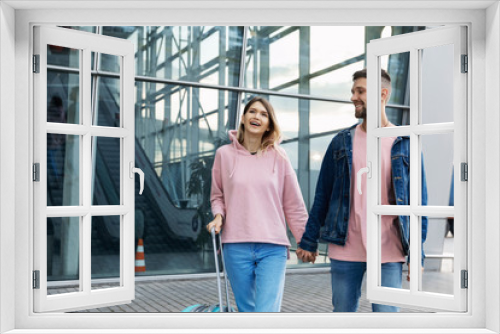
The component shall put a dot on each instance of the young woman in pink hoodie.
(254, 195)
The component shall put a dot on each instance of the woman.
(254, 190)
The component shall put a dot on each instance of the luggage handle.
(217, 270)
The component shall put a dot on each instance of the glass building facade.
(191, 84)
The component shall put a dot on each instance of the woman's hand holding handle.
(216, 223)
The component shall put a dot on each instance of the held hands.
(306, 256)
(217, 223)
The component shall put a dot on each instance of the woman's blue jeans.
(347, 278)
(257, 275)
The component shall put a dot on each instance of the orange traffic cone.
(140, 263)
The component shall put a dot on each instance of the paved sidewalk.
(304, 292)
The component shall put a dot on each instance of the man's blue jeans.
(257, 275)
(347, 278)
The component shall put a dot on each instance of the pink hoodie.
(255, 194)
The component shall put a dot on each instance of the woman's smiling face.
(256, 119)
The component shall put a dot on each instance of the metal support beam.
(304, 111)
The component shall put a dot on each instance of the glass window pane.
(274, 57)
(393, 257)
(439, 262)
(109, 63)
(330, 116)
(318, 147)
(186, 53)
(105, 251)
(63, 170)
(206, 124)
(63, 85)
(63, 255)
(287, 114)
(106, 170)
(398, 68)
(292, 151)
(334, 45)
(209, 46)
(90, 29)
(437, 84)
(283, 60)
(107, 111)
(63, 56)
(335, 83)
(437, 151)
(394, 171)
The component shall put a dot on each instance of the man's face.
(358, 97)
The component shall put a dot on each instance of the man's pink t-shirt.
(355, 246)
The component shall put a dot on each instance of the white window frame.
(483, 52)
(85, 43)
(414, 43)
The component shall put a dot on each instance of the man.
(342, 211)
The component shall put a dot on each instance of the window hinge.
(465, 64)
(464, 171)
(465, 279)
(36, 63)
(36, 172)
(36, 279)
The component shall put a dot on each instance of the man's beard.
(361, 114)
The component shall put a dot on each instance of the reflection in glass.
(89, 29)
(106, 170)
(439, 248)
(398, 68)
(62, 56)
(63, 252)
(109, 63)
(63, 86)
(107, 112)
(437, 151)
(63, 170)
(105, 251)
(437, 84)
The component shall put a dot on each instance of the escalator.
(162, 224)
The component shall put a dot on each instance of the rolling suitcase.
(215, 307)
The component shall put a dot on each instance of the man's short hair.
(386, 78)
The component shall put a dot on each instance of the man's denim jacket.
(329, 216)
